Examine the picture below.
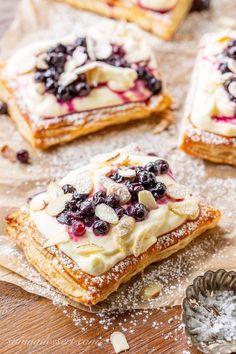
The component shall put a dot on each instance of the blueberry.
(86, 208)
(81, 42)
(82, 89)
(142, 73)
(64, 93)
(39, 76)
(72, 206)
(99, 197)
(137, 211)
(118, 50)
(154, 85)
(231, 52)
(79, 197)
(223, 67)
(116, 177)
(67, 217)
(101, 227)
(120, 211)
(70, 49)
(22, 156)
(112, 200)
(226, 86)
(60, 48)
(151, 167)
(116, 60)
(89, 221)
(68, 188)
(51, 86)
(57, 61)
(200, 5)
(3, 108)
(162, 166)
(139, 169)
(159, 190)
(134, 189)
(147, 179)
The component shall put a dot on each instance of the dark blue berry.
(68, 188)
(22, 156)
(142, 73)
(223, 67)
(112, 200)
(134, 189)
(154, 85)
(67, 217)
(86, 209)
(159, 190)
(162, 166)
(137, 211)
(101, 227)
(147, 179)
(82, 89)
(39, 76)
(3, 108)
(79, 197)
(99, 197)
(81, 42)
(120, 211)
(72, 206)
(116, 177)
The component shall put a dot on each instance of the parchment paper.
(38, 19)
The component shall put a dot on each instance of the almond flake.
(188, 207)
(151, 291)
(106, 213)
(177, 191)
(90, 48)
(127, 173)
(56, 206)
(107, 157)
(40, 62)
(232, 88)
(147, 199)
(79, 56)
(88, 249)
(54, 191)
(121, 191)
(119, 342)
(103, 50)
(84, 183)
(122, 230)
(87, 67)
(37, 203)
(138, 246)
(67, 78)
(232, 65)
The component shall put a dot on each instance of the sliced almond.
(119, 342)
(103, 50)
(91, 48)
(232, 88)
(138, 246)
(127, 172)
(167, 180)
(188, 207)
(54, 191)
(37, 203)
(106, 213)
(147, 199)
(88, 249)
(40, 88)
(122, 230)
(106, 182)
(121, 190)
(67, 78)
(177, 191)
(84, 183)
(85, 68)
(56, 206)
(79, 56)
(151, 291)
(232, 65)
(41, 61)
(105, 158)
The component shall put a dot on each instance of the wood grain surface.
(30, 324)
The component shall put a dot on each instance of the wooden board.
(30, 324)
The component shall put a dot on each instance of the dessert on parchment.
(161, 17)
(107, 221)
(57, 91)
(209, 129)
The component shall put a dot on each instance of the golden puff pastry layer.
(209, 128)
(106, 222)
(59, 90)
(162, 18)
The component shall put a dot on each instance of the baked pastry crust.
(81, 287)
(163, 25)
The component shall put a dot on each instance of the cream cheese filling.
(210, 98)
(158, 222)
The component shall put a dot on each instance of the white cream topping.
(158, 5)
(20, 68)
(106, 251)
(210, 97)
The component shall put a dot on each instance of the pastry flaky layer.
(105, 222)
(58, 90)
(162, 18)
(209, 128)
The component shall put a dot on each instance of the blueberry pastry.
(105, 222)
(59, 91)
(210, 118)
(161, 17)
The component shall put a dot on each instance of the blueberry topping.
(120, 211)
(67, 217)
(223, 67)
(142, 73)
(159, 190)
(134, 189)
(226, 86)
(118, 50)
(147, 179)
(3, 108)
(77, 229)
(112, 200)
(68, 188)
(39, 76)
(101, 227)
(99, 197)
(81, 42)
(137, 211)
(154, 85)
(116, 60)
(86, 209)
(79, 197)
(116, 177)
(162, 166)
(60, 48)
(89, 221)
(82, 89)
(22, 156)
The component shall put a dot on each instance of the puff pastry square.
(161, 17)
(209, 129)
(57, 91)
(105, 222)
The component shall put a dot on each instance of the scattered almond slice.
(8, 153)
(151, 291)
(122, 230)
(232, 65)
(106, 213)
(67, 78)
(91, 48)
(177, 191)
(87, 67)
(79, 56)
(37, 203)
(232, 88)
(138, 246)
(88, 249)
(84, 183)
(188, 207)
(119, 342)
(54, 191)
(147, 199)
(103, 50)
(167, 180)
(127, 173)
(56, 206)
(41, 62)
(121, 190)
